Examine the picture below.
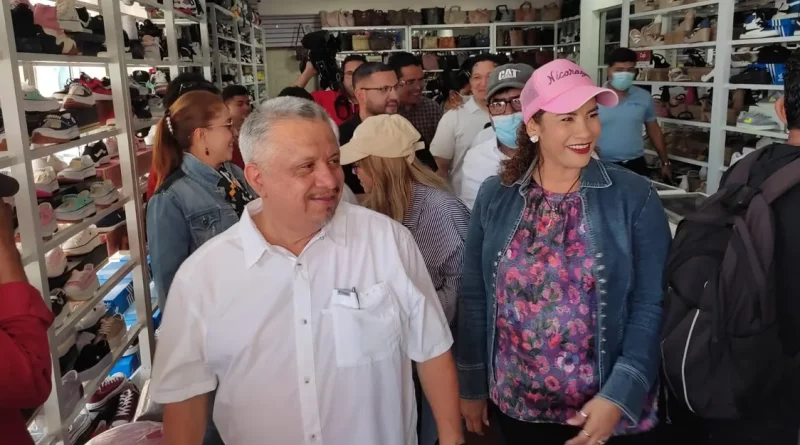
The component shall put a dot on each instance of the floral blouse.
(546, 353)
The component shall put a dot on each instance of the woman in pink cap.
(560, 298)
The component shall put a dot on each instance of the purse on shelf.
(462, 57)
(448, 62)
(361, 18)
(432, 16)
(551, 12)
(346, 42)
(395, 18)
(360, 42)
(430, 42)
(481, 40)
(415, 42)
(411, 17)
(379, 41)
(503, 14)
(478, 16)
(447, 42)
(530, 36)
(430, 62)
(516, 37)
(346, 19)
(525, 13)
(378, 18)
(455, 16)
(463, 41)
(329, 19)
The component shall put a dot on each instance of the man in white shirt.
(304, 315)
(498, 143)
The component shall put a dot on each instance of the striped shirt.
(438, 221)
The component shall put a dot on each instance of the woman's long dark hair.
(512, 169)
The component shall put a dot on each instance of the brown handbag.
(379, 41)
(329, 19)
(411, 17)
(415, 42)
(447, 42)
(551, 12)
(525, 14)
(455, 16)
(516, 37)
(361, 18)
(430, 62)
(378, 18)
(430, 42)
(530, 36)
(479, 16)
(395, 18)
(360, 43)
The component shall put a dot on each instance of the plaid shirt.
(425, 118)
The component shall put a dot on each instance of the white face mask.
(464, 97)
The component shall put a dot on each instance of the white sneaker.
(79, 169)
(152, 49)
(84, 242)
(104, 193)
(150, 139)
(91, 318)
(45, 180)
(68, 17)
(82, 284)
(56, 262)
(113, 148)
(49, 161)
(160, 82)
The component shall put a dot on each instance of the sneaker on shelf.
(756, 121)
(79, 96)
(79, 169)
(756, 27)
(197, 52)
(141, 109)
(114, 330)
(56, 128)
(773, 54)
(93, 359)
(742, 60)
(128, 401)
(150, 139)
(71, 390)
(81, 427)
(113, 148)
(35, 102)
(104, 193)
(98, 152)
(94, 24)
(75, 208)
(788, 9)
(185, 51)
(147, 28)
(68, 17)
(156, 106)
(90, 320)
(46, 19)
(112, 386)
(58, 299)
(139, 143)
(771, 98)
(132, 349)
(47, 219)
(152, 48)
(140, 88)
(111, 221)
(49, 161)
(160, 82)
(99, 90)
(45, 181)
(82, 284)
(185, 6)
(83, 242)
(752, 76)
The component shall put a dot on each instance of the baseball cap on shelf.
(8, 186)
(560, 87)
(512, 75)
(384, 136)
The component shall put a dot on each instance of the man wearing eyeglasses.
(376, 89)
(502, 98)
(423, 113)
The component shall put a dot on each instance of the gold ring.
(585, 433)
(583, 414)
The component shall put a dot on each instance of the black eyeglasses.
(499, 106)
(385, 90)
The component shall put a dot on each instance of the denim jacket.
(188, 209)
(628, 237)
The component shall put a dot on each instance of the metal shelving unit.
(14, 67)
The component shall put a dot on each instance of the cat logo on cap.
(509, 73)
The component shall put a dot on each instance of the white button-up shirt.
(481, 162)
(297, 356)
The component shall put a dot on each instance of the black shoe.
(111, 222)
(774, 54)
(98, 152)
(147, 28)
(58, 300)
(141, 108)
(93, 358)
(752, 76)
(185, 51)
(97, 25)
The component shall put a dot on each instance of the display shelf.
(674, 84)
(679, 46)
(365, 28)
(743, 86)
(145, 123)
(67, 232)
(87, 138)
(381, 51)
(680, 159)
(455, 26)
(427, 50)
(765, 41)
(674, 9)
(501, 48)
(523, 24)
(762, 133)
(62, 60)
(7, 160)
(689, 123)
(568, 44)
(227, 39)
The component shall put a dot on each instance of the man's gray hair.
(255, 133)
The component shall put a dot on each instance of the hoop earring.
(535, 138)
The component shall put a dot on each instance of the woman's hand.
(598, 418)
(476, 414)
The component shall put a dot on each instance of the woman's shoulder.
(442, 200)
(625, 178)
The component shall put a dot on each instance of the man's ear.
(780, 108)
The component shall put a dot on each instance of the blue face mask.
(505, 127)
(622, 81)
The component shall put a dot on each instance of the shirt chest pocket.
(366, 328)
(205, 225)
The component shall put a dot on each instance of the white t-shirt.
(480, 163)
(455, 135)
(295, 357)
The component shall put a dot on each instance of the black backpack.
(720, 350)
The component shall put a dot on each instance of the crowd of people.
(368, 266)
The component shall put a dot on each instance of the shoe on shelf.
(128, 401)
(111, 221)
(68, 17)
(58, 298)
(702, 33)
(773, 54)
(75, 208)
(104, 193)
(49, 161)
(56, 128)
(197, 52)
(141, 109)
(756, 121)
(677, 75)
(150, 139)
(62, 93)
(752, 76)
(83, 242)
(159, 82)
(93, 359)
(771, 98)
(113, 148)
(81, 427)
(35, 102)
(98, 152)
(99, 90)
(45, 181)
(147, 28)
(788, 9)
(47, 219)
(79, 169)
(72, 391)
(185, 6)
(90, 320)
(756, 27)
(56, 262)
(82, 284)
(140, 88)
(113, 329)
(79, 96)
(152, 47)
(112, 386)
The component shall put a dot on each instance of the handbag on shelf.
(516, 37)
(447, 42)
(551, 12)
(430, 62)
(432, 16)
(378, 18)
(379, 41)
(411, 17)
(360, 42)
(346, 42)
(300, 53)
(525, 57)
(462, 57)
(430, 42)
(463, 41)
(361, 18)
(329, 19)
(415, 42)
(502, 14)
(455, 16)
(479, 16)
(448, 62)
(530, 36)
(346, 19)
(395, 18)
(525, 13)
(481, 40)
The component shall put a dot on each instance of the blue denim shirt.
(628, 236)
(188, 209)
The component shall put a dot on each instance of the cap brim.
(350, 152)
(8, 186)
(577, 97)
(504, 86)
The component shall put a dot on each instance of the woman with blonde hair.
(382, 154)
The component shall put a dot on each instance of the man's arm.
(309, 73)
(657, 136)
(440, 385)
(443, 145)
(442, 166)
(185, 422)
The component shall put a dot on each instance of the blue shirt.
(621, 139)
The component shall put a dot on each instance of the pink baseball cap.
(560, 87)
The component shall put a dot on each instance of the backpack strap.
(781, 181)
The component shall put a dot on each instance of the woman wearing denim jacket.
(560, 299)
(199, 192)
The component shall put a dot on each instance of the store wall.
(279, 7)
(590, 33)
(282, 70)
